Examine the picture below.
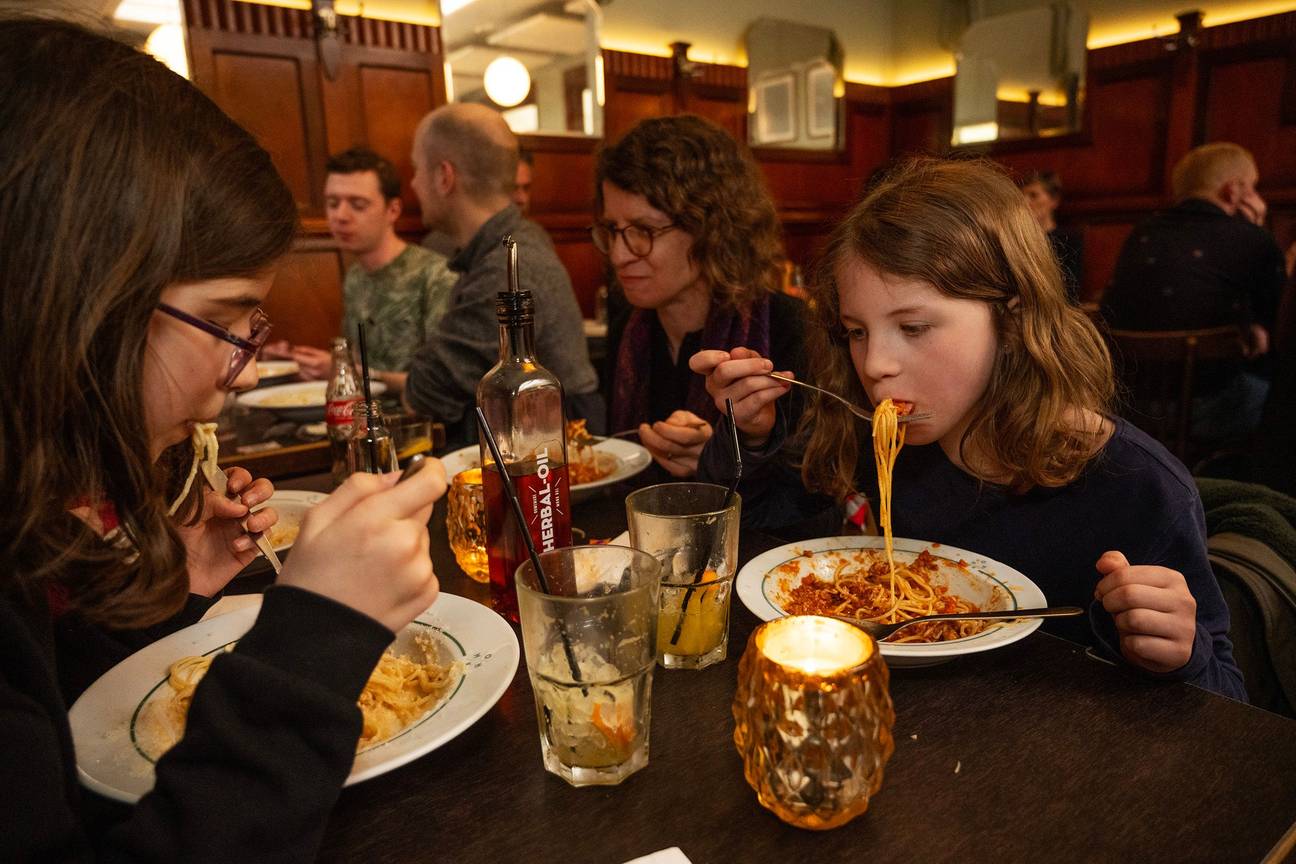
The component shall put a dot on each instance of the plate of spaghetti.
(889, 579)
(443, 671)
(591, 462)
(850, 576)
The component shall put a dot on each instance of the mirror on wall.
(795, 86)
(1021, 75)
(537, 63)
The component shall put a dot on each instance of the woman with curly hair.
(940, 290)
(689, 227)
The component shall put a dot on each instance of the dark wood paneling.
(264, 94)
(305, 302)
(1257, 121)
(392, 102)
(922, 117)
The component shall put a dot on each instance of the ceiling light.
(149, 11)
(507, 81)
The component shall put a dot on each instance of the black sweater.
(270, 739)
(1134, 497)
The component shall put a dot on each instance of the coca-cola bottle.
(340, 400)
(523, 403)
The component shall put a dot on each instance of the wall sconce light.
(328, 42)
(1190, 25)
(684, 67)
(507, 81)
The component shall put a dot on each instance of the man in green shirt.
(398, 290)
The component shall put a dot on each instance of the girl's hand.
(218, 547)
(314, 363)
(677, 442)
(366, 546)
(740, 375)
(1155, 613)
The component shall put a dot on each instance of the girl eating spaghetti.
(940, 291)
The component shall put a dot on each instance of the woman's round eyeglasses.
(244, 349)
(638, 238)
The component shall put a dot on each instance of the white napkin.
(672, 855)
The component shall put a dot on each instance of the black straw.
(728, 502)
(364, 374)
(511, 494)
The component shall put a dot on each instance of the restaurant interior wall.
(1146, 106)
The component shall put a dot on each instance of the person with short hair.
(940, 293)
(398, 290)
(465, 160)
(684, 216)
(141, 229)
(1043, 191)
(1206, 262)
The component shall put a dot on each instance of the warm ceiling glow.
(976, 133)
(167, 43)
(1119, 33)
(409, 11)
(507, 81)
(149, 11)
(1020, 94)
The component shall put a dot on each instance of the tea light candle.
(813, 719)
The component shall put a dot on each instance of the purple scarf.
(724, 330)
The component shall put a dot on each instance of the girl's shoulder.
(1134, 461)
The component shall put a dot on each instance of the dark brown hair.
(117, 179)
(359, 159)
(964, 228)
(1049, 181)
(709, 185)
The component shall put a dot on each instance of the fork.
(880, 631)
(862, 413)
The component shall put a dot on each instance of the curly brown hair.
(963, 227)
(117, 179)
(711, 187)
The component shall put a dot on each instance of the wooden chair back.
(1158, 371)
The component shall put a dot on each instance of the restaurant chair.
(1158, 373)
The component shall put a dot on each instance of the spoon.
(880, 631)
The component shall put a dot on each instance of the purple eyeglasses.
(244, 349)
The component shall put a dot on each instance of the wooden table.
(1032, 752)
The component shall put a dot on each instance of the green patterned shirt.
(400, 305)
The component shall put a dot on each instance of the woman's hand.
(741, 375)
(366, 546)
(1155, 613)
(677, 442)
(218, 547)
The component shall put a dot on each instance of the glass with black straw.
(589, 618)
(371, 448)
(692, 531)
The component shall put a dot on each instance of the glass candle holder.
(813, 719)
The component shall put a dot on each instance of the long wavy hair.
(711, 187)
(964, 228)
(117, 179)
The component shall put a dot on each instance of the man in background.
(465, 161)
(522, 181)
(1206, 262)
(398, 290)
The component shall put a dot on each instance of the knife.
(217, 480)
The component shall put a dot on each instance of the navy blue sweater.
(1133, 497)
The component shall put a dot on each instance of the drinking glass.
(589, 642)
(692, 531)
(466, 523)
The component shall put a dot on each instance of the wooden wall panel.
(264, 95)
(392, 102)
(1256, 122)
(1102, 246)
(305, 303)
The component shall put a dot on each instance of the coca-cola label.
(340, 412)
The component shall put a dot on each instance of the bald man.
(465, 164)
(1206, 262)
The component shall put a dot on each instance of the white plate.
(986, 583)
(110, 763)
(301, 401)
(631, 458)
(273, 370)
(292, 505)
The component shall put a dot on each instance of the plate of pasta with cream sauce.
(851, 576)
(443, 671)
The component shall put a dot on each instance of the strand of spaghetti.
(888, 438)
(204, 443)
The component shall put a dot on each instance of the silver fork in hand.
(862, 413)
